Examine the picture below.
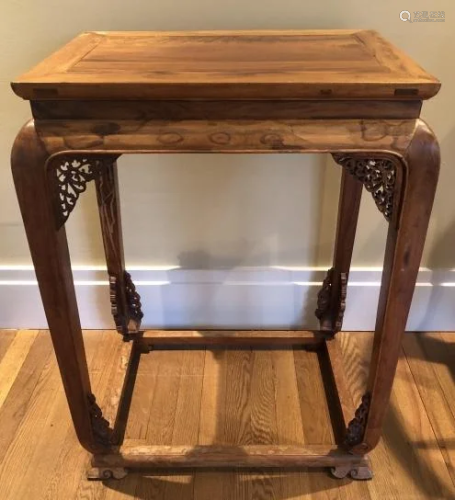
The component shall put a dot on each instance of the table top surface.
(321, 64)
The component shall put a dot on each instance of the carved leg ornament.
(378, 175)
(101, 429)
(356, 427)
(325, 296)
(327, 303)
(132, 322)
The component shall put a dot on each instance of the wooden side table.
(348, 93)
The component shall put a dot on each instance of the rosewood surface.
(349, 93)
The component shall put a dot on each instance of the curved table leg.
(49, 250)
(405, 241)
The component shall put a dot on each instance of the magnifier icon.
(405, 15)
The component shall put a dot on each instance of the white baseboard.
(233, 298)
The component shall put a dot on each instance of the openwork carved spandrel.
(377, 175)
(69, 176)
(325, 295)
(356, 427)
(133, 299)
(101, 429)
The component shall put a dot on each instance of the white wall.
(212, 213)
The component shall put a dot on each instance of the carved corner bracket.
(378, 175)
(326, 299)
(356, 427)
(68, 176)
(124, 292)
(133, 299)
(341, 302)
(102, 431)
(325, 296)
(114, 295)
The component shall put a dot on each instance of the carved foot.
(106, 473)
(359, 473)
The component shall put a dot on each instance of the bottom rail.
(228, 456)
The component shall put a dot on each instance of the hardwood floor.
(231, 397)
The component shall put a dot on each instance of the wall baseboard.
(270, 298)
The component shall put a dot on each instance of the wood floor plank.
(68, 479)
(58, 431)
(165, 396)
(316, 423)
(264, 428)
(160, 415)
(263, 400)
(28, 435)
(441, 353)
(144, 389)
(434, 400)
(225, 400)
(6, 337)
(237, 422)
(186, 423)
(13, 359)
(212, 421)
(19, 397)
(295, 485)
(312, 399)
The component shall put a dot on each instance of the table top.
(321, 64)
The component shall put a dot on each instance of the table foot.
(106, 473)
(359, 473)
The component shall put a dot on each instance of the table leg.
(404, 248)
(332, 297)
(49, 250)
(125, 301)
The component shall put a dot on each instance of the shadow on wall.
(207, 211)
(220, 212)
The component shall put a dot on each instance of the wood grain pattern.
(408, 463)
(12, 362)
(228, 65)
(429, 356)
(312, 399)
(236, 136)
(5, 341)
(20, 394)
(48, 407)
(333, 373)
